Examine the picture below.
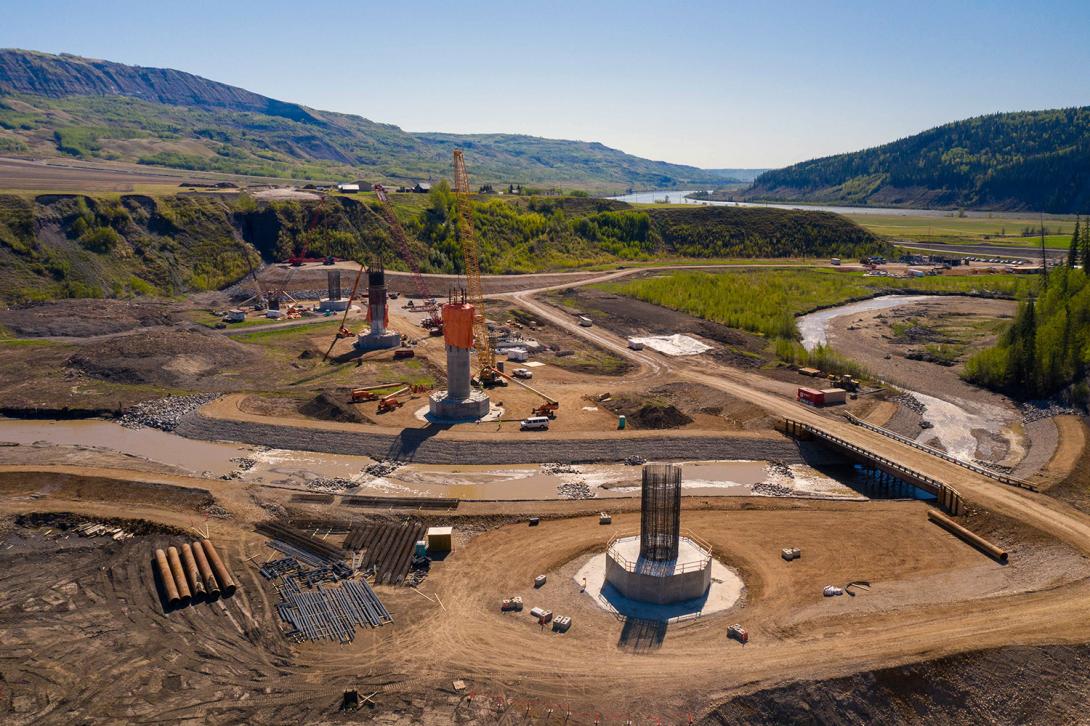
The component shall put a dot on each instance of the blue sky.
(746, 84)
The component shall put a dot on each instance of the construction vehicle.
(434, 322)
(737, 632)
(403, 353)
(371, 393)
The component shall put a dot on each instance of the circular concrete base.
(495, 413)
(662, 582)
(443, 408)
(387, 340)
(325, 304)
(724, 592)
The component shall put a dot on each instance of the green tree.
(1073, 250)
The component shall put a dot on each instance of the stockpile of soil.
(183, 358)
(334, 406)
(648, 413)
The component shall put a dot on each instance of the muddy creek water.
(309, 471)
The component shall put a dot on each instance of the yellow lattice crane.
(471, 252)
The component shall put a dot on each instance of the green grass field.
(952, 229)
(767, 301)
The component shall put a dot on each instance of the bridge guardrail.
(949, 498)
(984, 471)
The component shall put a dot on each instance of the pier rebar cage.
(376, 274)
(660, 512)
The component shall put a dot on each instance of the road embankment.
(438, 446)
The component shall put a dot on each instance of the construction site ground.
(91, 606)
(87, 638)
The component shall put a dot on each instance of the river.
(680, 197)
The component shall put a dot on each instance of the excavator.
(371, 393)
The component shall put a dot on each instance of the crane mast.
(472, 256)
(406, 250)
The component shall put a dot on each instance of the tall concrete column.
(458, 372)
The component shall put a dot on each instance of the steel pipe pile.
(227, 583)
(193, 575)
(165, 576)
(176, 570)
(211, 587)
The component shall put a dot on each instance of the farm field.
(998, 229)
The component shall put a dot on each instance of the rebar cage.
(333, 282)
(660, 512)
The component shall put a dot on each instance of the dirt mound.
(83, 318)
(648, 413)
(187, 358)
(333, 406)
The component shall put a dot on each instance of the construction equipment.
(737, 632)
(471, 253)
(434, 321)
(344, 332)
(370, 393)
(548, 408)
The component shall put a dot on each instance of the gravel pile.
(554, 468)
(778, 468)
(635, 460)
(911, 403)
(164, 413)
(331, 485)
(769, 489)
(574, 490)
(1037, 410)
(244, 464)
(383, 468)
(215, 510)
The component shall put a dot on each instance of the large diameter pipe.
(967, 536)
(179, 576)
(227, 583)
(169, 588)
(196, 585)
(211, 588)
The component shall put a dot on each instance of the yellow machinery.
(472, 255)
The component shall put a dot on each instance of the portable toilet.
(421, 549)
(621, 421)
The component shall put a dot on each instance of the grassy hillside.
(1037, 160)
(70, 106)
(93, 246)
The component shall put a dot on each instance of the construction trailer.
(821, 396)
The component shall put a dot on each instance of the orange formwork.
(458, 324)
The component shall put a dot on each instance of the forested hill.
(1034, 160)
(66, 105)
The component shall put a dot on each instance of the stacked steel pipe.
(197, 572)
